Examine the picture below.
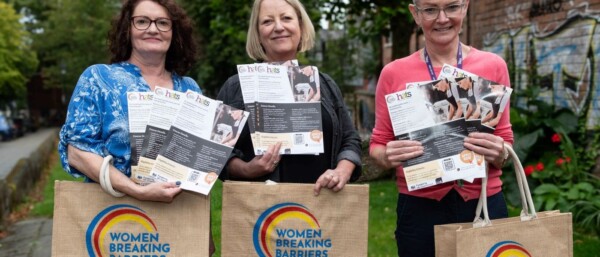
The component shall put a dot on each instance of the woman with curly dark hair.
(181, 53)
(151, 44)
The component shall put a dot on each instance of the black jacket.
(345, 138)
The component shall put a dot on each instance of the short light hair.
(307, 39)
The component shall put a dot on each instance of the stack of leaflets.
(284, 104)
(440, 114)
(182, 137)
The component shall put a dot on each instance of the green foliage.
(559, 154)
(17, 60)
(536, 121)
(45, 207)
(369, 20)
(221, 26)
(216, 194)
(585, 245)
(337, 54)
(69, 36)
(383, 197)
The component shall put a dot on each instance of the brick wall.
(560, 39)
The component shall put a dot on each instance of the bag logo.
(105, 238)
(289, 229)
(508, 249)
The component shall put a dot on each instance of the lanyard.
(430, 66)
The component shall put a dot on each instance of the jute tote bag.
(90, 222)
(288, 220)
(534, 233)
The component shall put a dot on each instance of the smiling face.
(279, 30)
(150, 41)
(443, 30)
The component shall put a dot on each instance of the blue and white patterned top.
(97, 117)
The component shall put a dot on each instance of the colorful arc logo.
(107, 219)
(269, 220)
(508, 249)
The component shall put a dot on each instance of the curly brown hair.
(181, 55)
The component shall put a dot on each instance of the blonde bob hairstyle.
(253, 47)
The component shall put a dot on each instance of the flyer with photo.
(428, 113)
(482, 100)
(165, 105)
(284, 106)
(198, 144)
(139, 105)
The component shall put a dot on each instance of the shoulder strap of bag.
(527, 213)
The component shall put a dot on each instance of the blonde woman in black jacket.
(278, 30)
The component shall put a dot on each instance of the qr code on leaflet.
(298, 139)
(448, 164)
(193, 176)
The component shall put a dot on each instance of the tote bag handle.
(528, 211)
(105, 177)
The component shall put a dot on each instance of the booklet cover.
(428, 113)
(284, 106)
(165, 105)
(198, 144)
(483, 101)
(139, 105)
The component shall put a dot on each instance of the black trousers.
(417, 216)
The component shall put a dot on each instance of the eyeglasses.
(143, 23)
(432, 13)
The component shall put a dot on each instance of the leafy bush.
(559, 156)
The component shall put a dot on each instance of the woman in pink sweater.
(418, 211)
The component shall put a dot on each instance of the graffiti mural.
(565, 52)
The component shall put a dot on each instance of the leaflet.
(482, 101)
(166, 104)
(427, 113)
(284, 106)
(198, 144)
(139, 105)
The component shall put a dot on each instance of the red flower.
(560, 161)
(568, 159)
(539, 166)
(529, 169)
(556, 138)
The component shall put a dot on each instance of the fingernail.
(178, 183)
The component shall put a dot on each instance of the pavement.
(28, 238)
(21, 161)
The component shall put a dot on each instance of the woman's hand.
(335, 179)
(258, 166)
(89, 164)
(396, 152)
(488, 145)
(158, 192)
(266, 163)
